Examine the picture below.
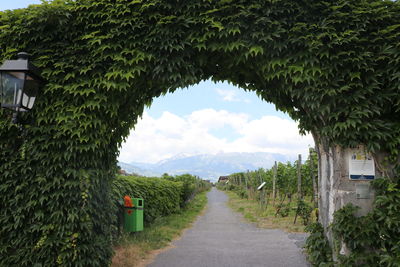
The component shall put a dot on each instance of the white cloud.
(213, 119)
(273, 134)
(156, 139)
(228, 95)
(231, 95)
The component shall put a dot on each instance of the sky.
(206, 118)
(13, 4)
(211, 118)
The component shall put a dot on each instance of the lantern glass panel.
(12, 84)
(30, 92)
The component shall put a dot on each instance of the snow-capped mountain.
(207, 166)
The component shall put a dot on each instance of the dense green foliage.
(191, 185)
(373, 240)
(319, 253)
(333, 65)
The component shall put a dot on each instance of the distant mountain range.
(207, 166)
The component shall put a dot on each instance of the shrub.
(282, 210)
(304, 211)
(319, 252)
(242, 193)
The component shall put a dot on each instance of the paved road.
(221, 238)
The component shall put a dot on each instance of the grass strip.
(265, 218)
(135, 249)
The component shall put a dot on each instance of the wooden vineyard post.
(262, 196)
(246, 178)
(274, 182)
(314, 181)
(263, 204)
(299, 195)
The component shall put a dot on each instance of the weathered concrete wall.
(335, 188)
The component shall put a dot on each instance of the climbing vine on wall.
(372, 240)
(332, 65)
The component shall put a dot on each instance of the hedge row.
(191, 186)
(161, 196)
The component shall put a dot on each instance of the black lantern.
(20, 82)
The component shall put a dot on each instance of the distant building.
(123, 172)
(223, 179)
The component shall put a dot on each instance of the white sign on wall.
(361, 166)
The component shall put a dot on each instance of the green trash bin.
(133, 216)
(138, 214)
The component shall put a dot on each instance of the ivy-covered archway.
(332, 65)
